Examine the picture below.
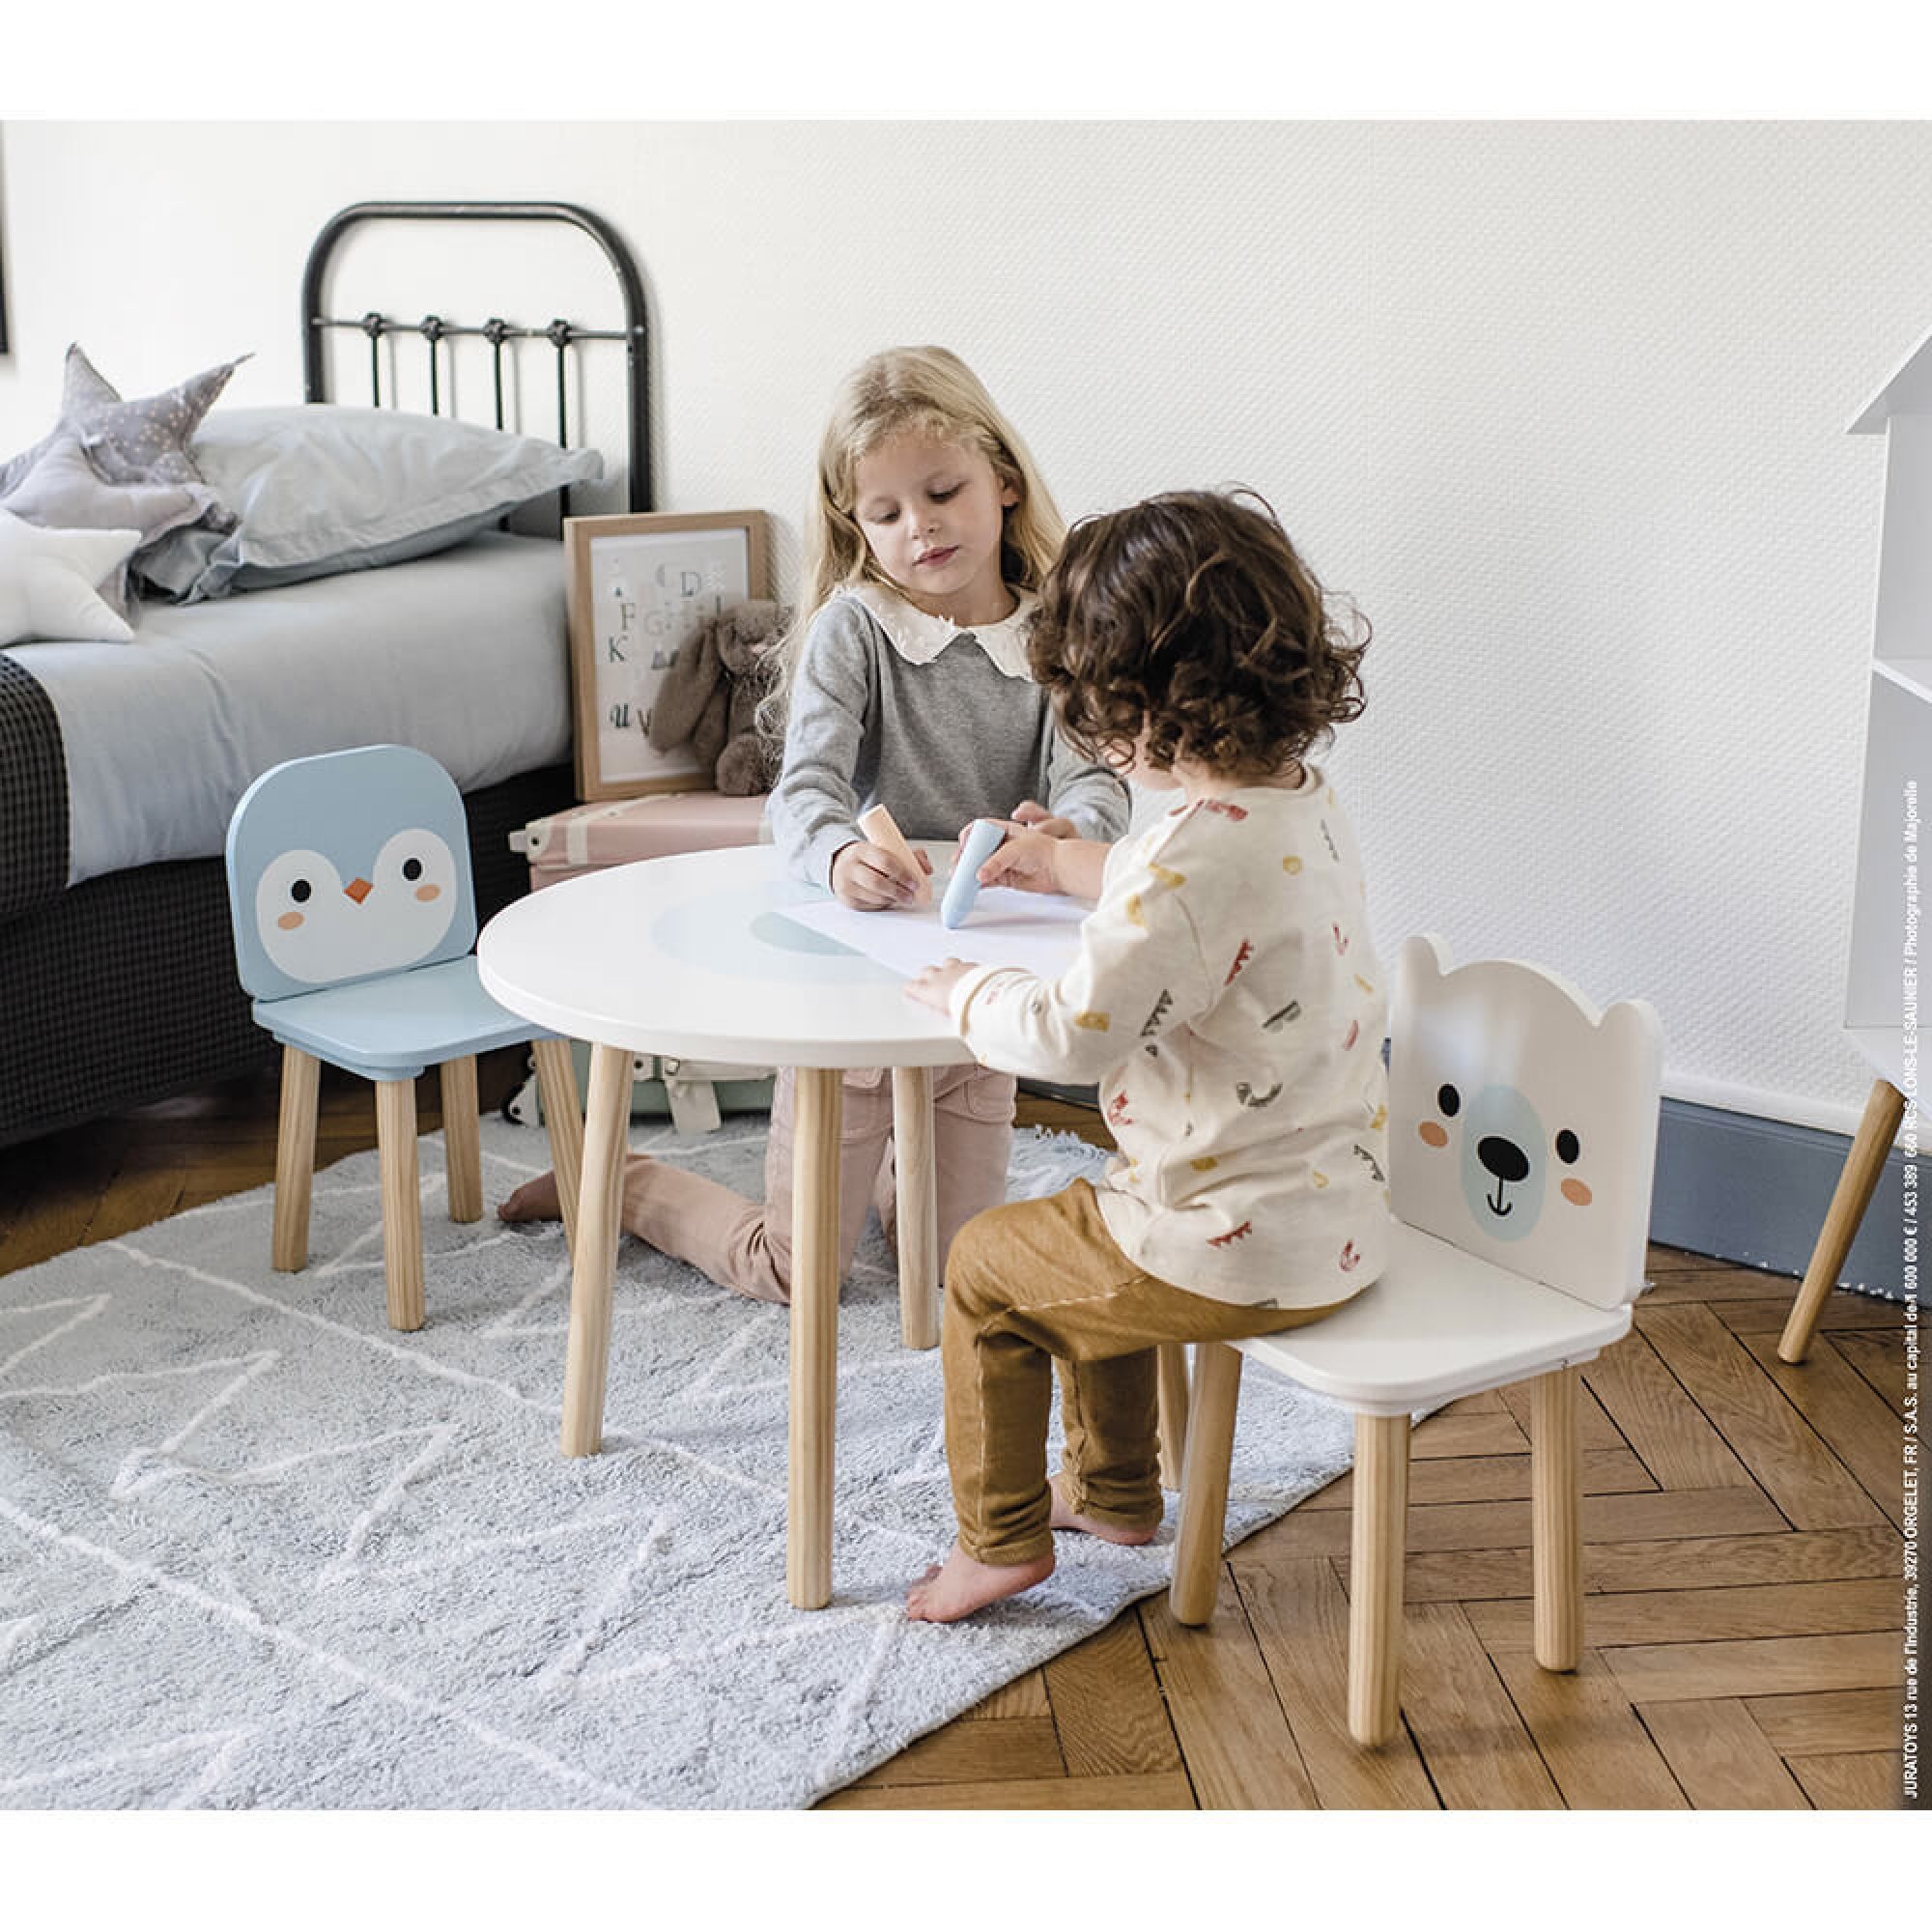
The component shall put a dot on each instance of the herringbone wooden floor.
(1743, 1555)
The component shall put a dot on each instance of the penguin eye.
(1449, 1100)
(412, 869)
(1568, 1147)
(300, 892)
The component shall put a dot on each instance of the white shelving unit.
(1898, 733)
(1898, 749)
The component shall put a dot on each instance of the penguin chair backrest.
(348, 866)
(1523, 1120)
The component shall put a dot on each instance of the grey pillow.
(64, 491)
(142, 441)
(323, 488)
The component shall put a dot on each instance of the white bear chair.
(1522, 1134)
(352, 912)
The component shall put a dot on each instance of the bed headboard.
(440, 336)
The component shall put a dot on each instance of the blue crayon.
(982, 841)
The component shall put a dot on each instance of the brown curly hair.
(1190, 616)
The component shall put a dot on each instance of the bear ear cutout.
(1424, 959)
(1634, 1029)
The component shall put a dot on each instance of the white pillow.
(322, 488)
(48, 582)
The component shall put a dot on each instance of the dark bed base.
(124, 991)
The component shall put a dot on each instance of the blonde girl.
(928, 532)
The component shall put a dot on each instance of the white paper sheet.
(1037, 930)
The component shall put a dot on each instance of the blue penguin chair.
(354, 916)
(1521, 1136)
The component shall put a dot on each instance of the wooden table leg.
(818, 1105)
(594, 1258)
(918, 1207)
(1885, 1108)
(563, 1121)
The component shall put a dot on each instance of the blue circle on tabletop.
(743, 933)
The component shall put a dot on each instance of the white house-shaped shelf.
(1898, 734)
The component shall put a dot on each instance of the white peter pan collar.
(918, 637)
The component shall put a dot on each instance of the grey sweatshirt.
(937, 744)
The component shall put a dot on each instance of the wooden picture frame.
(636, 588)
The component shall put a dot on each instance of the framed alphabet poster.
(637, 587)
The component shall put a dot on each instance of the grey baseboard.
(1755, 1191)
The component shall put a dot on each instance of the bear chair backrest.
(350, 866)
(1522, 1122)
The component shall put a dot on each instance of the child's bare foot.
(1065, 1517)
(962, 1584)
(534, 1201)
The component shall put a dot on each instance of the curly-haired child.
(1226, 997)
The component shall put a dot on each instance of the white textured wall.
(1561, 403)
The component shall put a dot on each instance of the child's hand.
(1034, 815)
(869, 878)
(932, 985)
(1024, 861)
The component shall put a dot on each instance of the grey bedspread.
(463, 654)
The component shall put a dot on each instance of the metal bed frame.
(435, 329)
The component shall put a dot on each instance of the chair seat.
(393, 1028)
(1439, 1323)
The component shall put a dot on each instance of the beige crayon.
(877, 825)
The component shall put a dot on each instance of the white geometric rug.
(257, 1549)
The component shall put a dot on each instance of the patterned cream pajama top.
(1228, 1000)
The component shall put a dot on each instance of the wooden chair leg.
(1173, 1386)
(1556, 1519)
(918, 1207)
(1885, 1108)
(462, 1138)
(563, 1121)
(819, 1102)
(1378, 1535)
(1203, 1499)
(294, 1158)
(402, 1202)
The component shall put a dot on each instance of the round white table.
(690, 957)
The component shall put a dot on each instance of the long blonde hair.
(922, 392)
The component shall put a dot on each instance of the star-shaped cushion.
(142, 441)
(64, 491)
(47, 579)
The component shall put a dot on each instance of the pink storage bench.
(590, 838)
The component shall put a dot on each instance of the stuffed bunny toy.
(710, 694)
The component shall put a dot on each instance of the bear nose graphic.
(1503, 1159)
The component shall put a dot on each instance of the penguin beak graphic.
(358, 889)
